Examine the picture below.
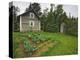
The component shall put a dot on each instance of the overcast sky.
(72, 9)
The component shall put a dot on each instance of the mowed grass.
(67, 44)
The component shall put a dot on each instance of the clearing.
(57, 44)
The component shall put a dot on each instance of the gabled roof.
(30, 10)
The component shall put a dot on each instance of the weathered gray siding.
(24, 23)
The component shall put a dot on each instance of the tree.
(50, 22)
(13, 14)
(72, 26)
(43, 19)
(54, 19)
(52, 5)
(15, 20)
(36, 7)
(58, 15)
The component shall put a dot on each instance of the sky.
(72, 9)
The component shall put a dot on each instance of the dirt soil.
(43, 47)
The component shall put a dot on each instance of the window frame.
(32, 23)
(31, 15)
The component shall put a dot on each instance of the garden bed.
(36, 44)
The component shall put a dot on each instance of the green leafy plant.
(29, 48)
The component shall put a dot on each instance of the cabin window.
(31, 15)
(31, 23)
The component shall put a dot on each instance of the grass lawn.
(66, 45)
